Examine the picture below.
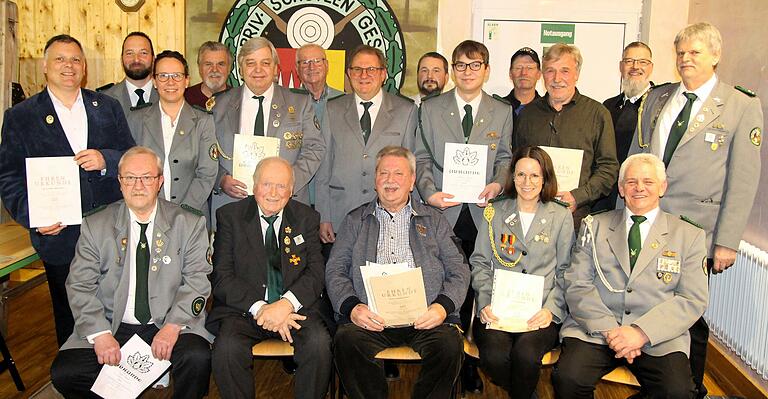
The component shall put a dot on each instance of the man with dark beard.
(432, 75)
(136, 89)
(214, 62)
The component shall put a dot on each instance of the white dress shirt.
(475, 103)
(373, 110)
(637, 97)
(254, 309)
(169, 130)
(249, 108)
(526, 219)
(675, 105)
(645, 227)
(132, 92)
(73, 120)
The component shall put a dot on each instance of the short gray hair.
(648, 159)
(270, 160)
(212, 46)
(139, 150)
(255, 44)
(307, 47)
(555, 52)
(397, 151)
(705, 32)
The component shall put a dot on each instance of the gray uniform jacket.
(664, 294)
(713, 185)
(98, 281)
(441, 123)
(544, 251)
(446, 275)
(119, 91)
(291, 118)
(191, 159)
(346, 177)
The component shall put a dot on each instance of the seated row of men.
(626, 294)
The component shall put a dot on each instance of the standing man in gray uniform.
(708, 133)
(136, 89)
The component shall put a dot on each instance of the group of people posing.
(359, 178)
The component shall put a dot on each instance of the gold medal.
(667, 278)
(287, 229)
(274, 106)
(286, 240)
(276, 123)
(291, 109)
(288, 135)
(713, 146)
(287, 250)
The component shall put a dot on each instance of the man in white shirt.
(136, 89)
(139, 269)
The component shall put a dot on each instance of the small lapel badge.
(421, 229)
(287, 250)
(287, 229)
(274, 106)
(49, 119)
(123, 243)
(158, 250)
(276, 123)
(654, 245)
(286, 240)
(493, 146)
(291, 109)
(510, 219)
(95, 103)
(491, 135)
(669, 254)
(667, 278)
(298, 240)
(294, 260)
(166, 259)
(159, 243)
(699, 118)
(288, 135)
(181, 132)
(154, 268)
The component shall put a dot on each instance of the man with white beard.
(214, 62)
(636, 67)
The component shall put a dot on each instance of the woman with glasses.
(525, 231)
(182, 135)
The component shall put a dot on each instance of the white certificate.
(400, 298)
(372, 269)
(464, 169)
(516, 298)
(136, 370)
(248, 151)
(53, 191)
(567, 163)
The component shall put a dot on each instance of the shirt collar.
(132, 87)
(261, 213)
(376, 100)
(650, 216)
(135, 219)
(407, 208)
(164, 115)
(475, 103)
(703, 92)
(58, 103)
(247, 93)
(639, 96)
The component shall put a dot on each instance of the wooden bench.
(276, 348)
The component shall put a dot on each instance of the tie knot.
(638, 219)
(468, 109)
(260, 98)
(270, 219)
(690, 96)
(139, 92)
(143, 227)
(366, 104)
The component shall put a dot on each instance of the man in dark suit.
(62, 120)
(267, 283)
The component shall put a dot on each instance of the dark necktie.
(140, 93)
(258, 126)
(634, 240)
(678, 128)
(466, 122)
(365, 120)
(274, 275)
(141, 297)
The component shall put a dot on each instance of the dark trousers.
(62, 314)
(441, 350)
(466, 231)
(513, 360)
(233, 361)
(699, 337)
(582, 364)
(74, 370)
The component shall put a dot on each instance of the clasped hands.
(626, 341)
(362, 317)
(542, 318)
(279, 317)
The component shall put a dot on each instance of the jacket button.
(89, 180)
(627, 312)
(175, 179)
(175, 161)
(173, 197)
(93, 205)
(365, 156)
(365, 191)
(525, 253)
(365, 173)
(629, 290)
(525, 271)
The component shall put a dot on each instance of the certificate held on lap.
(248, 151)
(516, 298)
(400, 298)
(464, 169)
(135, 372)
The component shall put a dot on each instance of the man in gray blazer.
(714, 170)
(636, 284)
(357, 126)
(136, 89)
(261, 107)
(139, 268)
(394, 229)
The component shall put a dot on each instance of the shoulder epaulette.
(105, 87)
(197, 107)
(561, 203)
(687, 219)
(498, 198)
(502, 99)
(145, 105)
(592, 213)
(398, 94)
(191, 209)
(431, 96)
(655, 86)
(298, 90)
(94, 210)
(335, 97)
(746, 91)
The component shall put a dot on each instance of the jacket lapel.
(287, 224)
(484, 115)
(541, 221)
(234, 116)
(276, 112)
(352, 121)
(55, 131)
(256, 241)
(186, 125)
(153, 128)
(511, 222)
(617, 240)
(158, 243)
(710, 110)
(654, 114)
(653, 243)
(382, 119)
(122, 234)
(452, 117)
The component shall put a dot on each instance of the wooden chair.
(406, 354)
(8, 364)
(276, 348)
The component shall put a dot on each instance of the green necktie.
(274, 275)
(466, 122)
(140, 93)
(678, 128)
(365, 120)
(634, 240)
(141, 309)
(258, 127)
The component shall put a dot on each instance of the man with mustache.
(214, 62)
(565, 118)
(431, 75)
(136, 89)
(525, 72)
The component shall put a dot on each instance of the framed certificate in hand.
(53, 191)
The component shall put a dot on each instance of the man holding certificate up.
(63, 120)
(139, 269)
(390, 230)
(522, 251)
(636, 284)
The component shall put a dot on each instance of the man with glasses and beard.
(136, 89)
(431, 75)
(214, 62)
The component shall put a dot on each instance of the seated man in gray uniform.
(636, 284)
(393, 229)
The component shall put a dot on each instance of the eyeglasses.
(533, 178)
(176, 76)
(640, 61)
(131, 180)
(462, 66)
(311, 62)
(357, 71)
(527, 68)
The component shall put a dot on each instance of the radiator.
(738, 307)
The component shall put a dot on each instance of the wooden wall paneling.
(147, 24)
(114, 33)
(94, 36)
(27, 41)
(165, 26)
(60, 17)
(179, 33)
